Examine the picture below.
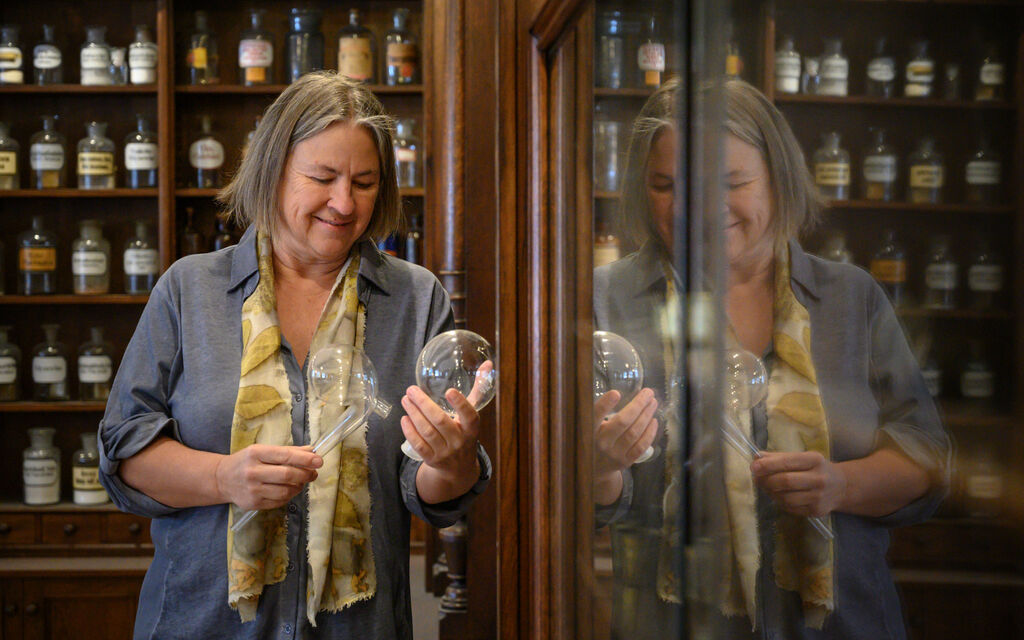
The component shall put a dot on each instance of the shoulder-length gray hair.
(307, 107)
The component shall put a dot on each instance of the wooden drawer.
(71, 528)
(124, 528)
(17, 528)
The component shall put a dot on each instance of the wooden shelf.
(603, 92)
(80, 193)
(954, 314)
(11, 506)
(79, 89)
(411, 192)
(878, 205)
(958, 578)
(274, 89)
(63, 298)
(607, 195)
(958, 412)
(870, 101)
(63, 406)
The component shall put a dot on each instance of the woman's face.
(661, 177)
(748, 206)
(326, 194)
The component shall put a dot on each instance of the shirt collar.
(801, 271)
(649, 264)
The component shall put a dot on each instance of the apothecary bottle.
(95, 367)
(255, 52)
(90, 260)
(607, 248)
(190, 241)
(11, 60)
(920, 72)
(223, 237)
(611, 50)
(977, 380)
(357, 50)
(96, 158)
(46, 156)
(50, 367)
(401, 58)
(47, 61)
(95, 57)
(414, 240)
(41, 468)
(881, 71)
(37, 260)
(983, 484)
(141, 262)
(9, 151)
(984, 275)
(85, 473)
(118, 66)
(835, 69)
(142, 55)
(733, 56)
(889, 267)
(810, 81)
(941, 276)
(835, 248)
(202, 59)
(932, 374)
(926, 171)
(408, 154)
(951, 83)
(983, 174)
(10, 367)
(991, 78)
(832, 168)
(880, 168)
(141, 156)
(607, 139)
(650, 55)
(787, 67)
(206, 155)
(304, 49)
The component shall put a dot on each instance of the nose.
(340, 199)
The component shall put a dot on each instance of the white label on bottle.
(977, 384)
(8, 369)
(985, 487)
(880, 169)
(8, 163)
(940, 276)
(933, 381)
(140, 262)
(404, 154)
(10, 58)
(96, 77)
(833, 68)
(206, 153)
(832, 173)
(926, 177)
(142, 56)
(88, 263)
(46, 156)
(142, 75)
(49, 369)
(12, 76)
(95, 58)
(86, 478)
(787, 72)
(992, 73)
(95, 368)
(140, 155)
(983, 172)
(882, 70)
(41, 473)
(985, 277)
(651, 56)
(255, 53)
(922, 71)
(95, 163)
(46, 56)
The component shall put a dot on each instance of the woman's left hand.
(804, 483)
(447, 446)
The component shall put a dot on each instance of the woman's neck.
(752, 274)
(322, 274)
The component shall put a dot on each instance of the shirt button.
(288, 628)
(292, 509)
(297, 397)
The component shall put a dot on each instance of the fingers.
(481, 384)
(777, 462)
(415, 439)
(301, 457)
(425, 419)
(604, 404)
(614, 427)
(469, 419)
(640, 424)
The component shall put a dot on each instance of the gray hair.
(304, 109)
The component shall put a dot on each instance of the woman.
(209, 407)
(849, 431)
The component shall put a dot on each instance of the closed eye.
(319, 180)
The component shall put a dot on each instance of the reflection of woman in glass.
(849, 429)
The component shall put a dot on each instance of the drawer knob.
(11, 609)
(69, 530)
(5, 528)
(31, 608)
(134, 527)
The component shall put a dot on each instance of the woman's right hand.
(621, 438)
(263, 476)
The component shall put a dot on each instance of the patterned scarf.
(338, 521)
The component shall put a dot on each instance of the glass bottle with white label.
(611, 47)
(920, 71)
(401, 58)
(983, 174)
(880, 168)
(941, 276)
(47, 61)
(787, 67)
(37, 260)
(832, 168)
(96, 165)
(984, 275)
(46, 156)
(357, 50)
(50, 367)
(10, 367)
(304, 47)
(983, 484)
(118, 66)
(41, 468)
(991, 79)
(951, 81)
(85, 473)
(140, 156)
(142, 57)
(9, 148)
(202, 59)
(90, 260)
(889, 267)
(927, 174)
(95, 367)
(141, 262)
(190, 241)
(835, 248)
(206, 155)
(95, 57)
(977, 380)
(650, 55)
(223, 237)
(408, 154)
(255, 52)
(835, 70)
(11, 60)
(881, 71)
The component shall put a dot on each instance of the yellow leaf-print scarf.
(341, 567)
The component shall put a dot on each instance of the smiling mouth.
(337, 224)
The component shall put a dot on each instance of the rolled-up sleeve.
(606, 514)
(442, 514)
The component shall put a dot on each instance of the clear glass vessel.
(983, 174)
(881, 71)
(255, 52)
(991, 78)
(141, 262)
(811, 79)
(223, 237)
(190, 241)
(984, 488)
(141, 156)
(47, 157)
(832, 168)
(650, 55)
(926, 171)
(889, 267)
(50, 367)
(95, 57)
(951, 84)
(880, 168)
(95, 367)
(401, 58)
(787, 67)
(41, 468)
(414, 240)
(142, 55)
(90, 260)
(11, 61)
(96, 166)
(202, 60)
(408, 154)
(611, 50)
(984, 275)
(941, 276)
(10, 177)
(835, 248)
(835, 69)
(977, 380)
(85, 473)
(47, 61)
(206, 155)
(304, 49)
(920, 72)
(10, 367)
(357, 50)
(37, 260)
(118, 66)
